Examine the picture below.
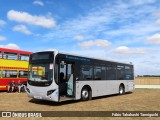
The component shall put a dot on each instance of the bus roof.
(15, 51)
(95, 58)
(60, 52)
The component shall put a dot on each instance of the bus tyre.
(121, 89)
(85, 94)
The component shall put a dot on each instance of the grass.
(139, 100)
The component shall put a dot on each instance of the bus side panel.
(131, 85)
(113, 86)
(80, 85)
(99, 88)
(103, 87)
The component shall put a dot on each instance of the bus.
(13, 66)
(66, 76)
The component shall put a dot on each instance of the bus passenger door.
(66, 79)
(70, 80)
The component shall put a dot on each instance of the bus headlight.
(50, 92)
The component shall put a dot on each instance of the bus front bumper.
(53, 96)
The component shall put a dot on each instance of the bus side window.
(24, 57)
(0, 54)
(9, 74)
(97, 72)
(23, 74)
(120, 72)
(111, 72)
(128, 73)
(86, 72)
(10, 56)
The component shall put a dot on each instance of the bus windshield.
(41, 72)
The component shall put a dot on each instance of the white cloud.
(99, 22)
(11, 46)
(143, 29)
(128, 22)
(79, 37)
(22, 29)
(38, 2)
(96, 53)
(24, 17)
(2, 38)
(126, 50)
(2, 23)
(154, 39)
(97, 43)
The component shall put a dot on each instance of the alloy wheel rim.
(85, 94)
(121, 90)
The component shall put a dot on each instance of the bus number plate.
(37, 97)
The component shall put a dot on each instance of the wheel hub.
(85, 94)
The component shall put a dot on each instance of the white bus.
(58, 76)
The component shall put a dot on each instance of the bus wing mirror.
(62, 64)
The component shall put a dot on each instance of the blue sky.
(119, 30)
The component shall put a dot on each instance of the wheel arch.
(122, 84)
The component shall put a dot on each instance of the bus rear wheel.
(121, 89)
(85, 94)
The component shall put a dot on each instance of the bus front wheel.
(85, 94)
